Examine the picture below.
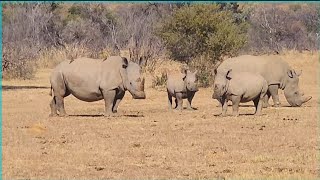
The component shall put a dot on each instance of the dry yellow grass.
(148, 142)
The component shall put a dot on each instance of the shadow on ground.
(23, 87)
(101, 115)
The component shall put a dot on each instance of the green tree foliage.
(203, 30)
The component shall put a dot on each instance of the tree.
(203, 30)
(136, 26)
(25, 34)
(274, 29)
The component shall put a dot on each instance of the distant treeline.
(181, 31)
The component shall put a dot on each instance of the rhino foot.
(191, 109)
(235, 114)
(111, 115)
(53, 115)
(277, 105)
(107, 115)
(265, 105)
(223, 115)
(63, 115)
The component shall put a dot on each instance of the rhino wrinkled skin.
(181, 86)
(96, 79)
(277, 73)
(240, 87)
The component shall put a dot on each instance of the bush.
(25, 32)
(204, 67)
(202, 30)
(274, 28)
(159, 81)
(193, 33)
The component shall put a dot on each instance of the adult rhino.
(95, 79)
(277, 73)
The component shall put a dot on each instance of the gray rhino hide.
(273, 69)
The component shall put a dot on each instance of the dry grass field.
(146, 141)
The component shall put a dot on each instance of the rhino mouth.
(300, 102)
(139, 95)
(192, 89)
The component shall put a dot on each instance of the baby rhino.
(240, 87)
(181, 86)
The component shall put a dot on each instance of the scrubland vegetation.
(39, 35)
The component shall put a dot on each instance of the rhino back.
(273, 69)
(84, 76)
(245, 84)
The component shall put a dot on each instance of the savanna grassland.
(146, 141)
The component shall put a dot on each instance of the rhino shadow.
(24, 87)
(101, 115)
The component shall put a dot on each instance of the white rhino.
(277, 73)
(96, 79)
(181, 86)
(242, 87)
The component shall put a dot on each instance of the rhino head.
(220, 85)
(291, 90)
(133, 80)
(190, 80)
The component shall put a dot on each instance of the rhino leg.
(258, 103)
(60, 105)
(219, 104)
(117, 101)
(235, 105)
(224, 105)
(273, 89)
(53, 107)
(169, 100)
(60, 91)
(109, 97)
(179, 101)
(190, 97)
(176, 102)
(266, 100)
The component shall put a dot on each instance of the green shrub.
(202, 30)
(204, 67)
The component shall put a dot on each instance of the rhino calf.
(181, 86)
(277, 73)
(240, 87)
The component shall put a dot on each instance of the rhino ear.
(290, 73)
(299, 73)
(229, 74)
(214, 72)
(142, 61)
(184, 72)
(124, 62)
